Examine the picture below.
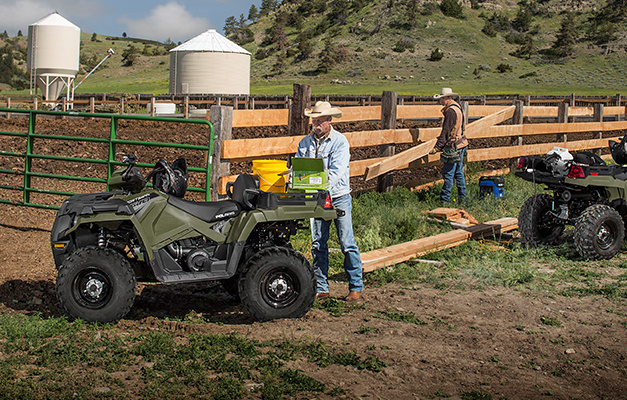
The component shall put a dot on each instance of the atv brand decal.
(140, 203)
(225, 215)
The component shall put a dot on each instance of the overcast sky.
(177, 20)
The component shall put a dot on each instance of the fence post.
(122, 104)
(571, 100)
(598, 117)
(385, 182)
(92, 104)
(221, 117)
(35, 103)
(527, 100)
(186, 106)
(8, 106)
(562, 118)
(517, 119)
(298, 123)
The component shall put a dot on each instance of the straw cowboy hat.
(445, 92)
(322, 109)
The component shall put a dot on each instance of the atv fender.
(246, 222)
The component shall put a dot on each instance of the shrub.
(436, 55)
(501, 68)
(452, 8)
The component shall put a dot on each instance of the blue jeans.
(454, 171)
(320, 250)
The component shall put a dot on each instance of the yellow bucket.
(269, 172)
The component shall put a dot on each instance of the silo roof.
(56, 20)
(211, 41)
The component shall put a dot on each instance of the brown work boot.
(322, 295)
(353, 296)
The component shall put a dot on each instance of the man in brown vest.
(452, 142)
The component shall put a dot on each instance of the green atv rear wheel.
(96, 285)
(277, 282)
(536, 224)
(599, 232)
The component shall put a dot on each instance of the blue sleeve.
(338, 163)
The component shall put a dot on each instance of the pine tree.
(253, 13)
(564, 44)
(230, 25)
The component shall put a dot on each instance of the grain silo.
(53, 55)
(209, 64)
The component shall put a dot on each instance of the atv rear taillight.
(576, 172)
(521, 162)
(328, 203)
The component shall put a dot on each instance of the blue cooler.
(492, 184)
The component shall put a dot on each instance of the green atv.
(587, 193)
(104, 243)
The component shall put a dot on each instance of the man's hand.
(434, 150)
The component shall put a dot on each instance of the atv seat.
(245, 191)
(211, 211)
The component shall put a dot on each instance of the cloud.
(170, 21)
(19, 14)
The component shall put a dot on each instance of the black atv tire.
(277, 282)
(96, 285)
(231, 286)
(536, 228)
(599, 232)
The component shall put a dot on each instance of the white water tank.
(53, 54)
(209, 64)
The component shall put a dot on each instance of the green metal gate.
(112, 141)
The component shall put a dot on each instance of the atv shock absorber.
(101, 238)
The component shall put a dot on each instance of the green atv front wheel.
(96, 285)
(277, 282)
(599, 232)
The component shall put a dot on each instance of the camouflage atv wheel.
(96, 285)
(599, 232)
(536, 222)
(277, 282)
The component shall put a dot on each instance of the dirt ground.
(472, 343)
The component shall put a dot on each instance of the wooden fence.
(488, 121)
(189, 106)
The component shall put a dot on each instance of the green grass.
(51, 358)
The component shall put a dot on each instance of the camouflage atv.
(104, 243)
(585, 192)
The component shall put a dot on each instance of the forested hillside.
(357, 46)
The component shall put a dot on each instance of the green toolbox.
(308, 174)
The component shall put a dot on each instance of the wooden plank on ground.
(399, 160)
(405, 251)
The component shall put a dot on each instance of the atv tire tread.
(265, 262)
(587, 227)
(108, 262)
(529, 219)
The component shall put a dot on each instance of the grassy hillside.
(377, 46)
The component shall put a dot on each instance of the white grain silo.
(53, 55)
(209, 64)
